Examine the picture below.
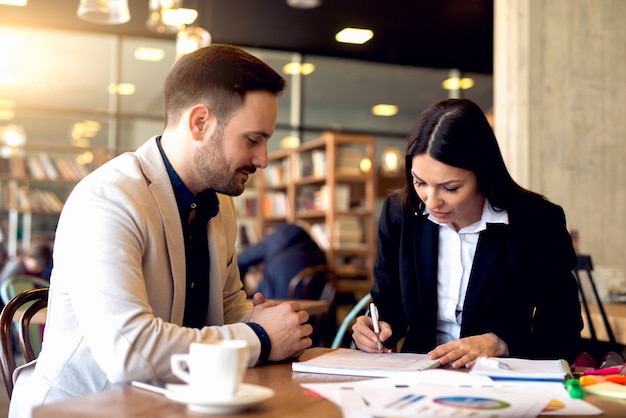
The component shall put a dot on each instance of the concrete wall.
(560, 114)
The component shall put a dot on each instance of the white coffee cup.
(216, 368)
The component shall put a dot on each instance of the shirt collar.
(184, 198)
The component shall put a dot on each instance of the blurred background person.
(37, 261)
(269, 265)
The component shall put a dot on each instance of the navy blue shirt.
(195, 212)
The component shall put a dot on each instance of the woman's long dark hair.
(457, 133)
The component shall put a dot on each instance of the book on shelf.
(304, 165)
(66, 170)
(247, 234)
(45, 201)
(5, 166)
(349, 160)
(70, 169)
(246, 206)
(35, 167)
(18, 166)
(277, 172)
(342, 197)
(48, 166)
(347, 231)
(320, 163)
(275, 204)
(318, 232)
(35, 200)
(23, 199)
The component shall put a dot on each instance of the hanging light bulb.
(167, 16)
(104, 12)
(190, 39)
(155, 21)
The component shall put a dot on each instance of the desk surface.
(290, 399)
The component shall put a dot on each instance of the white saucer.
(196, 401)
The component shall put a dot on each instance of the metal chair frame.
(360, 307)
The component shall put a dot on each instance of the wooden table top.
(290, 399)
(312, 306)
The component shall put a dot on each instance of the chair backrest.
(360, 307)
(313, 282)
(594, 345)
(16, 284)
(317, 282)
(19, 310)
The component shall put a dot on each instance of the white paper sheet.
(442, 393)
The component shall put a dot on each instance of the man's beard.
(212, 167)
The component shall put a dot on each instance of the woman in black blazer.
(469, 263)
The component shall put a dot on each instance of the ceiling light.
(190, 39)
(149, 54)
(104, 12)
(85, 158)
(354, 36)
(14, 2)
(290, 142)
(391, 161)
(13, 135)
(7, 114)
(179, 17)
(384, 110)
(456, 83)
(365, 165)
(304, 4)
(7, 109)
(156, 16)
(294, 68)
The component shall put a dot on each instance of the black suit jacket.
(521, 285)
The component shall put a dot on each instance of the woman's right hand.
(365, 338)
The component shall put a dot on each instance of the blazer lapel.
(154, 169)
(491, 242)
(425, 259)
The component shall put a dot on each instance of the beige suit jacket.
(117, 293)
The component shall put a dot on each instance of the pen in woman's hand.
(374, 314)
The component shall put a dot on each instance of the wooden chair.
(19, 310)
(593, 345)
(16, 284)
(308, 281)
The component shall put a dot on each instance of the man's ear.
(200, 119)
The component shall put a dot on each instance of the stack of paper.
(521, 369)
(359, 363)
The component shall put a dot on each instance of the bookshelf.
(248, 212)
(34, 183)
(322, 184)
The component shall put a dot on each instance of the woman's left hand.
(463, 352)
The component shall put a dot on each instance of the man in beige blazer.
(129, 286)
